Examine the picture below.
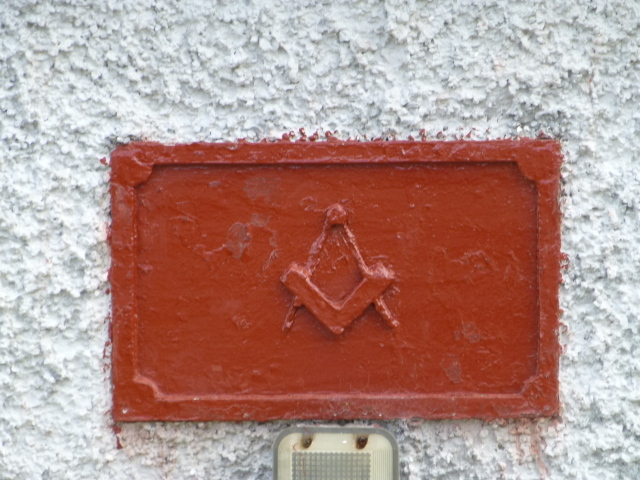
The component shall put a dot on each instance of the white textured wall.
(76, 79)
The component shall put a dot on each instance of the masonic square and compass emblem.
(338, 314)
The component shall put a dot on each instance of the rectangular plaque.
(335, 280)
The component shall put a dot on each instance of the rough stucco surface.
(75, 80)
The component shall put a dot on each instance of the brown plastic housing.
(335, 280)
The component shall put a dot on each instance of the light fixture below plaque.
(350, 453)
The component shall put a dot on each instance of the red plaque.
(335, 280)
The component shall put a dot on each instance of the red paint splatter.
(116, 431)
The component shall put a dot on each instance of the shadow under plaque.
(335, 280)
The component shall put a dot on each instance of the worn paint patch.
(237, 240)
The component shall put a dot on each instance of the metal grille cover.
(331, 466)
